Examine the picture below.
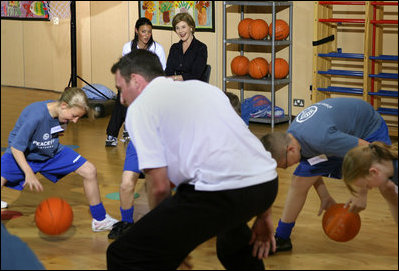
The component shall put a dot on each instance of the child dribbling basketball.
(374, 165)
(34, 147)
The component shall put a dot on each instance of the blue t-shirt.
(333, 126)
(16, 254)
(36, 133)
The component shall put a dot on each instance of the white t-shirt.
(156, 48)
(191, 128)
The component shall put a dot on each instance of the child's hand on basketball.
(325, 204)
(358, 203)
(33, 183)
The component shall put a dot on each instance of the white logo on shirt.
(46, 136)
(44, 145)
(306, 114)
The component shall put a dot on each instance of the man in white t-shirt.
(187, 132)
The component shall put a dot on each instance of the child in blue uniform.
(318, 139)
(375, 165)
(130, 177)
(33, 146)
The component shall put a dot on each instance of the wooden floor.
(375, 247)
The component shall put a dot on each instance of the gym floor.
(374, 248)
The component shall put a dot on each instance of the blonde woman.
(34, 147)
(374, 165)
(187, 58)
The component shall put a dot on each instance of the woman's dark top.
(191, 64)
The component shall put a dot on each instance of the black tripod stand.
(73, 81)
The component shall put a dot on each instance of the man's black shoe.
(118, 229)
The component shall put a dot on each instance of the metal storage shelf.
(263, 81)
(267, 80)
(259, 3)
(269, 120)
(258, 42)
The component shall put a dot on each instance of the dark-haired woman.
(142, 40)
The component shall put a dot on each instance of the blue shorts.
(131, 160)
(63, 163)
(333, 167)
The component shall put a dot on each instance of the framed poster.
(25, 10)
(161, 13)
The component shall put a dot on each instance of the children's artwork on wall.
(25, 10)
(161, 13)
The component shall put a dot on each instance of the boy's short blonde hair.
(76, 97)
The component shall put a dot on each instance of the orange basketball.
(258, 67)
(243, 28)
(282, 30)
(239, 65)
(53, 216)
(258, 29)
(281, 68)
(339, 224)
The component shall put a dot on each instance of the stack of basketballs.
(257, 68)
